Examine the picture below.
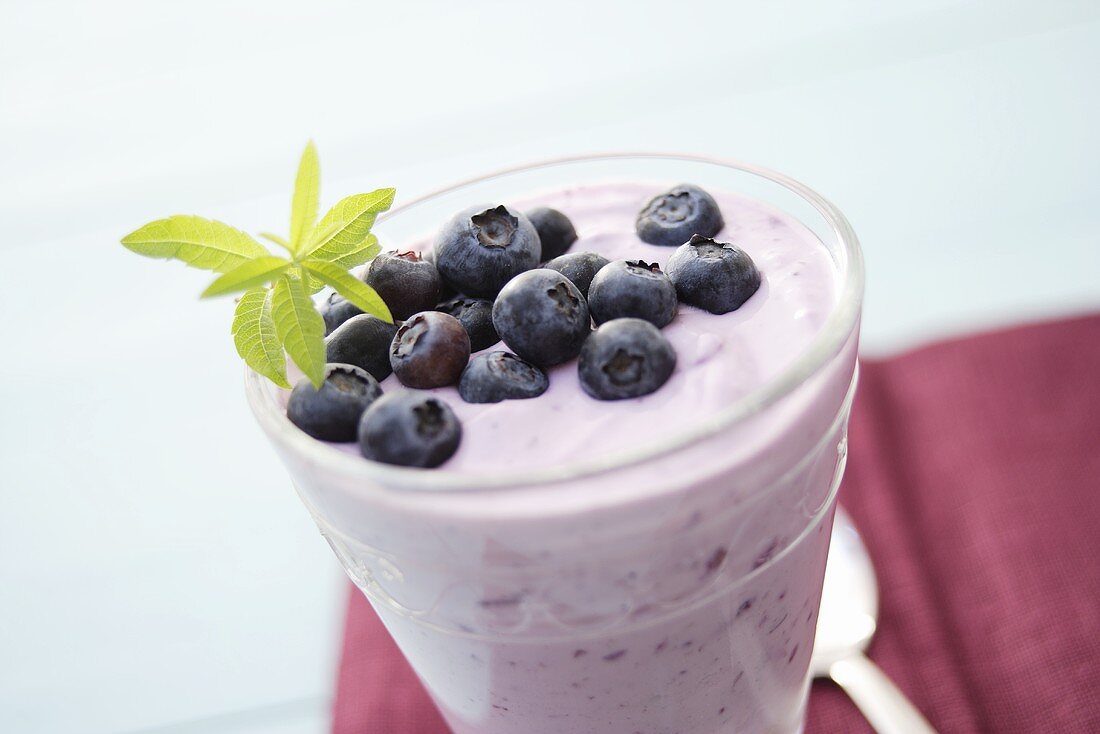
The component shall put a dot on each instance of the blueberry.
(407, 283)
(409, 428)
(481, 249)
(714, 276)
(542, 316)
(556, 232)
(336, 310)
(363, 341)
(625, 358)
(446, 290)
(579, 267)
(496, 376)
(632, 289)
(332, 413)
(476, 316)
(430, 350)
(669, 219)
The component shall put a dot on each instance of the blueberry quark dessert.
(579, 449)
(671, 586)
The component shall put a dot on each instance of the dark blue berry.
(625, 358)
(632, 289)
(430, 350)
(336, 310)
(446, 290)
(409, 428)
(332, 412)
(480, 249)
(495, 376)
(714, 276)
(363, 341)
(556, 232)
(579, 267)
(669, 219)
(407, 283)
(542, 316)
(476, 316)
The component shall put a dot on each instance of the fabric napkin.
(974, 478)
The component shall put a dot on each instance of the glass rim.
(839, 324)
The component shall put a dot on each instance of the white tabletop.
(156, 571)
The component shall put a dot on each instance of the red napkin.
(974, 477)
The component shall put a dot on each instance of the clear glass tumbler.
(644, 592)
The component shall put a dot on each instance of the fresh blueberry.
(336, 310)
(714, 276)
(332, 413)
(542, 316)
(430, 350)
(625, 358)
(579, 267)
(669, 219)
(632, 289)
(446, 291)
(476, 316)
(363, 341)
(407, 283)
(481, 249)
(495, 376)
(409, 428)
(556, 232)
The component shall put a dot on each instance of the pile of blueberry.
(482, 283)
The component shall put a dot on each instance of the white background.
(156, 572)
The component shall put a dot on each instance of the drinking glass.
(672, 587)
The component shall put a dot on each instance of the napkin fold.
(974, 478)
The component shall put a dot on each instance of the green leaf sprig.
(276, 315)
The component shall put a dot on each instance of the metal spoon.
(849, 610)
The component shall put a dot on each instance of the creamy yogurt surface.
(720, 358)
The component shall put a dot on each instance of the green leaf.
(201, 243)
(299, 327)
(346, 227)
(350, 287)
(307, 192)
(255, 338)
(365, 251)
(323, 235)
(313, 284)
(280, 241)
(247, 275)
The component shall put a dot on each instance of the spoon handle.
(886, 707)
